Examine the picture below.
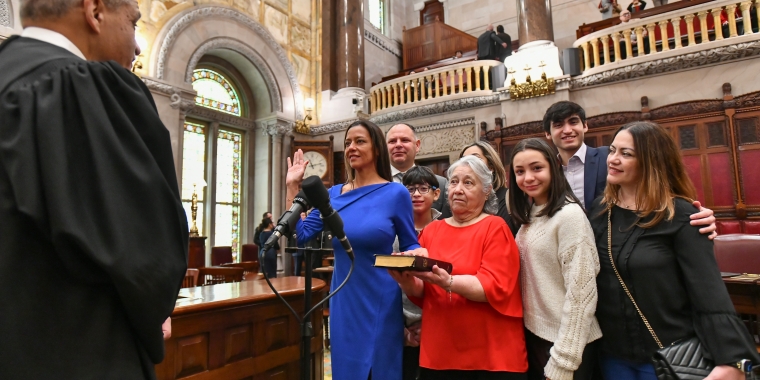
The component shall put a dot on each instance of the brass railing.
(684, 28)
(449, 82)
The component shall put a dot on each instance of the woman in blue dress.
(365, 316)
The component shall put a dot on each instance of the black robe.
(93, 236)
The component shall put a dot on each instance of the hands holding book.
(412, 282)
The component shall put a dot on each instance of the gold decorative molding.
(531, 89)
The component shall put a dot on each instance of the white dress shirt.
(53, 38)
(574, 172)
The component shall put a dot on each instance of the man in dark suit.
(586, 167)
(502, 52)
(93, 239)
(486, 41)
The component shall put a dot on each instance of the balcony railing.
(450, 82)
(700, 26)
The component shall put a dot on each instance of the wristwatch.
(745, 366)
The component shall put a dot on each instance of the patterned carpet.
(328, 365)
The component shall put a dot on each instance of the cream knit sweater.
(558, 268)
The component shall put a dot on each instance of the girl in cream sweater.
(559, 264)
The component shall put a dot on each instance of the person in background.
(94, 237)
(366, 321)
(423, 188)
(485, 152)
(268, 258)
(472, 325)
(636, 6)
(625, 16)
(257, 232)
(503, 52)
(457, 55)
(558, 266)
(298, 255)
(645, 241)
(609, 8)
(585, 167)
(403, 146)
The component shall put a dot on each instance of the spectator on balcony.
(486, 44)
(636, 6)
(457, 55)
(501, 51)
(625, 16)
(609, 8)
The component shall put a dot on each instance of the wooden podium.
(241, 331)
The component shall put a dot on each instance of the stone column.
(349, 53)
(277, 129)
(534, 21)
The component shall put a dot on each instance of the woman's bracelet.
(451, 283)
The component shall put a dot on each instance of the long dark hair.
(379, 148)
(663, 174)
(560, 192)
(266, 222)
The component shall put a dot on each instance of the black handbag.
(682, 360)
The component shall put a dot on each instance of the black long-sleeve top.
(670, 270)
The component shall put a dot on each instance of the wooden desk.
(241, 331)
(745, 294)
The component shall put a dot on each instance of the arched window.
(213, 152)
(215, 92)
(377, 14)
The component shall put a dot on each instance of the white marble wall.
(379, 62)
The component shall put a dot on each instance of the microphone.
(317, 195)
(288, 220)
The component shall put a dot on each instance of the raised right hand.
(296, 168)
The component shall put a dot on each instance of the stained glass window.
(215, 92)
(377, 14)
(228, 174)
(193, 171)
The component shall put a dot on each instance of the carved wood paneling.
(192, 355)
(687, 109)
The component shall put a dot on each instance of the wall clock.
(319, 153)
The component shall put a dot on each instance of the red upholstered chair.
(728, 227)
(751, 226)
(250, 252)
(221, 255)
(739, 253)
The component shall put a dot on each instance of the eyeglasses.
(422, 189)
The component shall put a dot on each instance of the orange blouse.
(466, 335)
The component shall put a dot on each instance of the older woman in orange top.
(471, 318)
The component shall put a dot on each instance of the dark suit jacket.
(594, 174)
(502, 52)
(486, 41)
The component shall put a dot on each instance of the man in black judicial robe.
(93, 236)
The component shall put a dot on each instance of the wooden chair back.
(191, 278)
(249, 252)
(249, 267)
(737, 253)
(219, 275)
(221, 255)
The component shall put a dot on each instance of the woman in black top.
(668, 266)
(488, 155)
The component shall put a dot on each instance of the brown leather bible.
(416, 263)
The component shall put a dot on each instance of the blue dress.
(366, 322)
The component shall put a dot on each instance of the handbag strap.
(622, 283)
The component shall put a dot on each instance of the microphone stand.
(307, 329)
